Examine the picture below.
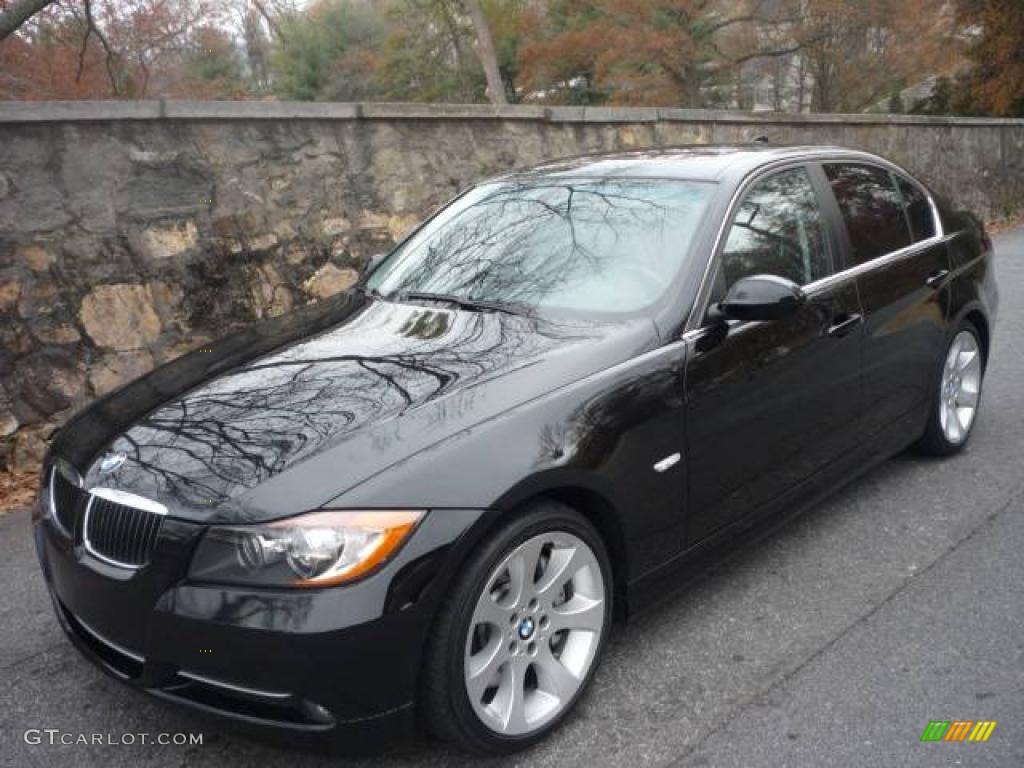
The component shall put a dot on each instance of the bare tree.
(17, 14)
(486, 52)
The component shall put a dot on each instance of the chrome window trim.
(936, 218)
(820, 286)
(125, 499)
(879, 261)
(700, 304)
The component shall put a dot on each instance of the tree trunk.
(275, 28)
(20, 12)
(486, 53)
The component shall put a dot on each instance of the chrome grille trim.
(121, 528)
(64, 483)
(54, 517)
(130, 500)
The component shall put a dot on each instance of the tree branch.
(91, 28)
(717, 27)
(81, 53)
(754, 15)
(767, 54)
(18, 14)
(275, 28)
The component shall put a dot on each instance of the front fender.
(603, 434)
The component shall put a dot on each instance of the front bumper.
(337, 664)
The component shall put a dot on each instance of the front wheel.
(520, 635)
(955, 406)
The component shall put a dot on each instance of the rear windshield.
(591, 245)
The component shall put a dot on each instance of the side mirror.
(375, 261)
(761, 297)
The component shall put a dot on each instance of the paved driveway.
(832, 642)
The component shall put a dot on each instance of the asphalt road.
(834, 641)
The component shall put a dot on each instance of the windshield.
(593, 245)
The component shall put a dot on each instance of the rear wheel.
(518, 639)
(955, 407)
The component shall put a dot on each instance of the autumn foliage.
(794, 55)
(995, 84)
(122, 49)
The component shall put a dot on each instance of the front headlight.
(318, 549)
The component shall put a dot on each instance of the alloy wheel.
(961, 388)
(534, 633)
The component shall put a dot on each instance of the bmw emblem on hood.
(112, 462)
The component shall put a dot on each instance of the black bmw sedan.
(426, 500)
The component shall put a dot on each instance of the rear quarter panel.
(973, 286)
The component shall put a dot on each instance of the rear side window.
(919, 210)
(872, 208)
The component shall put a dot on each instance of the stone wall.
(131, 232)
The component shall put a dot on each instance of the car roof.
(701, 162)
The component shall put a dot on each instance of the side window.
(778, 230)
(919, 210)
(872, 208)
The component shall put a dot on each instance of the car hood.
(287, 416)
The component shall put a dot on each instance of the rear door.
(892, 238)
(768, 404)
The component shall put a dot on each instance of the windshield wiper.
(474, 305)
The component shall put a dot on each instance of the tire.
(517, 644)
(949, 428)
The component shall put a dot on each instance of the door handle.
(844, 325)
(936, 278)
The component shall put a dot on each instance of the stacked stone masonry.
(132, 232)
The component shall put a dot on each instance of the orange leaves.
(625, 51)
(830, 55)
(48, 69)
(46, 59)
(996, 48)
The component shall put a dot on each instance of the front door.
(768, 404)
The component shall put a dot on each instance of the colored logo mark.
(958, 730)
